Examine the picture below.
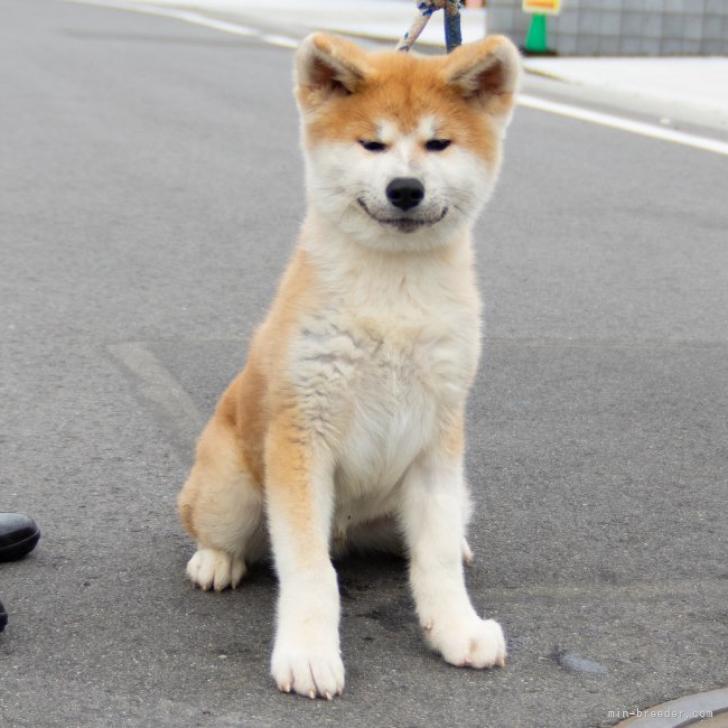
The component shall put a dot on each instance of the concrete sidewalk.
(689, 84)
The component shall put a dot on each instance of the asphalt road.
(150, 192)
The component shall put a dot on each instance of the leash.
(451, 8)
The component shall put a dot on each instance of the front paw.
(470, 642)
(308, 666)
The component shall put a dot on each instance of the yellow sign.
(551, 7)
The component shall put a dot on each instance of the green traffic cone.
(537, 38)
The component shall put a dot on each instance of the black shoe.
(3, 617)
(18, 536)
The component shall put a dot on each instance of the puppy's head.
(402, 151)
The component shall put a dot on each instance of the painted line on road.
(188, 16)
(284, 41)
(620, 122)
(690, 710)
(157, 385)
(222, 25)
(532, 102)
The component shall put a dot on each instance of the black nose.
(405, 192)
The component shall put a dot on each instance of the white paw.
(308, 668)
(471, 642)
(210, 568)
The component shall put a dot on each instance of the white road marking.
(620, 122)
(159, 386)
(284, 41)
(189, 16)
(221, 25)
(532, 102)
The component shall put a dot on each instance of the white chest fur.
(387, 355)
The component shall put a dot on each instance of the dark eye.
(437, 145)
(372, 146)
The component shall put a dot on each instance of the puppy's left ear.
(327, 67)
(487, 74)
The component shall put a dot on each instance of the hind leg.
(379, 535)
(382, 534)
(221, 507)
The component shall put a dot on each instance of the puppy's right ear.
(486, 73)
(326, 67)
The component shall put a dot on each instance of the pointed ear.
(327, 66)
(486, 73)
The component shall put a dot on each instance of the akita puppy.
(345, 428)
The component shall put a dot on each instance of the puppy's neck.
(364, 276)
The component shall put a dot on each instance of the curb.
(698, 709)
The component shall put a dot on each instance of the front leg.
(433, 517)
(299, 489)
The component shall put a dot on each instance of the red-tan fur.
(267, 449)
